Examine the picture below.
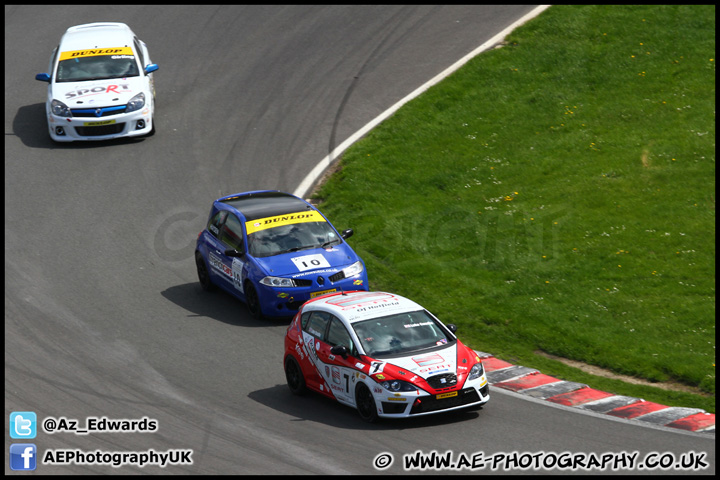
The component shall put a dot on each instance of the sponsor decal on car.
(95, 52)
(376, 367)
(81, 92)
(317, 294)
(435, 369)
(299, 351)
(98, 124)
(310, 262)
(428, 360)
(376, 305)
(237, 266)
(316, 272)
(216, 263)
(278, 220)
(440, 396)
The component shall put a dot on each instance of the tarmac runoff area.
(528, 381)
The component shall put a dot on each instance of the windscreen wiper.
(295, 249)
(327, 244)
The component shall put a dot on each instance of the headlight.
(476, 371)
(278, 282)
(354, 269)
(398, 386)
(136, 103)
(60, 109)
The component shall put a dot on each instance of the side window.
(139, 50)
(232, 233)
(304, 319)
(216, 223)
(317, 323)
(338, 335)
(53, 57)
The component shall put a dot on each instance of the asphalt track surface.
(104, 316)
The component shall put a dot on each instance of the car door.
(215, 249)
(340, 372)
(314, 326)
(232, 238)
(225, 233)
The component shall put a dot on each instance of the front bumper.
(412, 404)
(285, 302)
(64, 129)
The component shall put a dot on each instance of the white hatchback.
(100, 84)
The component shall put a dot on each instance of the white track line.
(315, 173)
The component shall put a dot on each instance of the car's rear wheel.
(294, 376)
(253, 301)
(203, 274)
(365, 403)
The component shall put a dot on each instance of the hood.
(426, 364)
(307, 263)
(454, 359)
(98, 93)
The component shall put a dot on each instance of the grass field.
(557, 195)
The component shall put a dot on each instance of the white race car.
(382, 354)
(100, 84)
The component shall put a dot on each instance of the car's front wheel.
(365, 403)
(294, 376)
(253, 301)
(203, 275)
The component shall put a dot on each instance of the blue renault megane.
(274, 251)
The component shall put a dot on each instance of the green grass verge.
(557, 194)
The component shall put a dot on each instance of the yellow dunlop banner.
(96, 51)
(290, 218)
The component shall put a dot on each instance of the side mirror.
(151, 68)
(452, 327)
(231, 252)
(43, 77)
(347, 233)
(339, 350)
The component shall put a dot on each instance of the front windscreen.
(401, 333)
(96, 67)
(291, 238)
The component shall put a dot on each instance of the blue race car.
(275, 251)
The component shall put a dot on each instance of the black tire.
(253, 301)
(294, 376)
(203, 275)
(365, 403)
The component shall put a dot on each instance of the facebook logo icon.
(23, 425)
(23, 456)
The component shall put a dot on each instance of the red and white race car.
(383, 354)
